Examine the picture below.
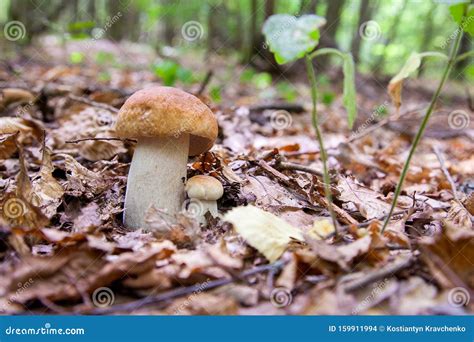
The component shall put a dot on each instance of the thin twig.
(183, 291)
(53, 307)
(298, 167)
(205, 82)
(378, 125)
(290, 107)
(378, 274)
(92, 138)
(446, 172)
(93, 103)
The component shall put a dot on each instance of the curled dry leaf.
(367, 201)
(95, 150)
(455, 246)
(63, 276)
(14, 95)
(200, 303)
(48, 191)
(7, 146)
(267, 233)
(82, 181)
(341, 255)
(27, 129)
(458, 221)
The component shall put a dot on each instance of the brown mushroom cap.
(204, 188)
(167, 112)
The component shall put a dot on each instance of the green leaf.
(166, 70)
(215, 94)
(468, 25)
(457, 12)
(411, 65)
(466, 22)
(349, 91)
(290, 38)
(262, 80)
(76, 57)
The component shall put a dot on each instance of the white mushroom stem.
(198, 208)
(210, 206)
(156, 178)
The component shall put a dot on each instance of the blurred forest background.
(380, 34)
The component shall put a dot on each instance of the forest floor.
(64, 249)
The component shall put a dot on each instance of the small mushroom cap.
(167, 112)
(204, 188)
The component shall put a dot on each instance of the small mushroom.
(206, 190)
(169, 125)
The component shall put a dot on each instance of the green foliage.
(170, 72)
(470, 72)
(286, 91)
(381, 110)
(328, 98)
(349, 92)
(411, 65)
(414, 63)
(246, 75)
(76, 57)
(262, 80)
(80, 29)
(103, 57)
(290, 38)
(215, 94)
(463, 15)
(104, 76)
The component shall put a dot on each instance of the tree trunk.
(328, 32)
(365, 13)
(392, 33)
(308, 6)
(253, 30)
(427, 36)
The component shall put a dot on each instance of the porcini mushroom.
(206, 190)
(169, 125)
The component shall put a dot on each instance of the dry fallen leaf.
(367, 201)
(267, 233)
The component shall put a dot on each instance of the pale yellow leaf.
(321, 229)
(262, 230)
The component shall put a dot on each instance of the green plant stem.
(464, 56)
(421, 130)
(325, 51)
(324, 157)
